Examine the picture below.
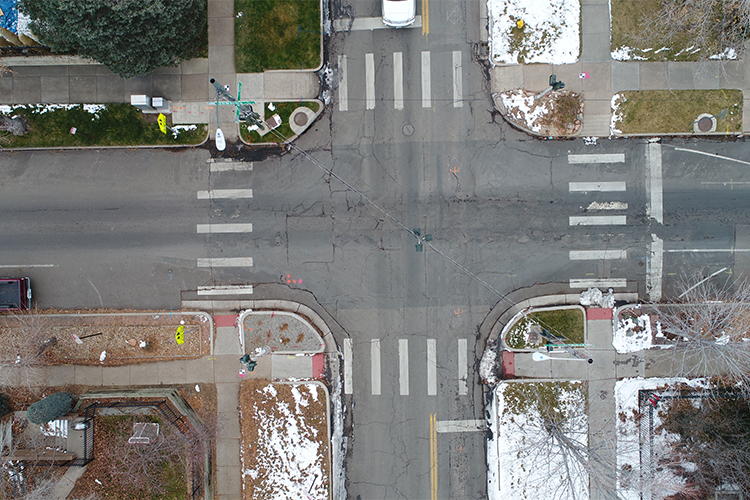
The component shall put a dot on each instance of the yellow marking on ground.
(433, 457)
(425, 17)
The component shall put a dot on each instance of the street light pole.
(538, 356)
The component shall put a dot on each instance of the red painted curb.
(598, 313)
(226, 320)
(509, 365)
(318, 366)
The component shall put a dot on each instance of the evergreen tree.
(50, 408)
(130, 37)
(4, 405)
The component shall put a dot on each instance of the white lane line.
(458, 83)
(585, 187)
(707, 250)
(375, 366)
(347, 366)
(597, 220)
(226, 290)
(654, 180)
(13, 266)
(603, 158)
(431, 367)
(215, 194)
(226, 262)
(713, 155)
(598, 254)
(232, 166)
(398, 81)
(343, 85)
(655, 268)
(225, 228)
(370, 81)
(463, 371)
(403, 367)
(444, 426)
(426, 80)
(598, 283)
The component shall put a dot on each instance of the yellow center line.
(433, 457)
(425, 17)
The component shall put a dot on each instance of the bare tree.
(711, 27)
(139, 465)
(707, 329)
(713, 450)
(23, 339)
(549, 422)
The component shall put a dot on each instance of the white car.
(399, 13)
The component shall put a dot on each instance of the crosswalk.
(598, 213)
(394, 67)
(226, 229)
(408, 381)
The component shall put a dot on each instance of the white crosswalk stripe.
(224, 228)
(598, 254)
(215, 194)
(343, 85)
(375, 367)
(597, 220)
(398, 81)
(597, 158)
(370, 81)
(426, 80)
(586, 187)
(458, 84)
(226, 262)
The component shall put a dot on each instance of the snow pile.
(286, 459)
(549, 32)
(488, 365)
(524, 109)
(617, 101)
(524, 463)
(593, 297)
(628, 419)
(632, 334)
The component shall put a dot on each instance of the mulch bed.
(121, 336)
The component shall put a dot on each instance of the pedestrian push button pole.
(553, 85)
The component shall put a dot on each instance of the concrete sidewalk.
(608, 77)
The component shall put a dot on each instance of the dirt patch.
(125, 338)
(284, 446)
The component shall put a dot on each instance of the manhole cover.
(300, 119)
(705, 124)
(408, 129)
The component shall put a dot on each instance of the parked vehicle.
(15, 294)
(399, 13)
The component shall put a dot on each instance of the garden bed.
(125, 339)
(534, 329)
(283, 131)
(277, 34)
(113, 124)
(557, 114)
(675, 111)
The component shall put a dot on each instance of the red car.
(15, 294)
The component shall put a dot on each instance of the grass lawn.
(284, 110)
(116, 124)
(276, 34)
(566, 323)
(630, 39)
(674, 111)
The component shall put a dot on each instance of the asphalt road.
(124, 229)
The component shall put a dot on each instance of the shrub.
(4, 406)
(50, 408)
